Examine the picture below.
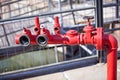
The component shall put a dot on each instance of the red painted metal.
(25, 38)
(37, 26)
(91, 36)
(112, 45)
(56, 25)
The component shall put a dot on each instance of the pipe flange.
(99, 44)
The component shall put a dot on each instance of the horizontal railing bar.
(48, 69)
(45, 14)
(8, 3)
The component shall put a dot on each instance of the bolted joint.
(99, 39)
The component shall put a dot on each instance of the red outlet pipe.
(92, 36)
(37, 26)
(56, 25)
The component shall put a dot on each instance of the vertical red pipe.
(112, 46)
(112, 64)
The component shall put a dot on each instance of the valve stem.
(88, 19)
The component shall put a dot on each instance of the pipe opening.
(42, 40)
(35, 29)
(24, 40)
(55, 29)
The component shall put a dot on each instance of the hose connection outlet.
(42, 40)
(24, 40)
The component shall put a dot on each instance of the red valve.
(92, 36)
(88, 30)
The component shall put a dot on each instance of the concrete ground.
(94, 72)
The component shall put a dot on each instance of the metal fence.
(71, 13)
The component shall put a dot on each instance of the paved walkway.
(95, 72)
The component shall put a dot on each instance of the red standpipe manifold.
(91, 35)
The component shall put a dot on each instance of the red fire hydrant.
(92, 36)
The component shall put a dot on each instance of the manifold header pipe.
(91, 36)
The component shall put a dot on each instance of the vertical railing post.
(61, 24)
(99, 22)
(99, 13)
(117, 8)
(71, 7)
